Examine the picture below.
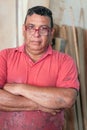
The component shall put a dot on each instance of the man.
(37, 83)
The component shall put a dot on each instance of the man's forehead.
(38, 19)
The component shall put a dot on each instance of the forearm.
(53, 98)
(10, 102)
(10, 109)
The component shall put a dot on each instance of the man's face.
(37, 41)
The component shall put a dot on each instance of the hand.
(12, 88)
(51, 111)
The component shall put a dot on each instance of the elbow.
(70, 102)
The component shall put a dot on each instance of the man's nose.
(36, 33)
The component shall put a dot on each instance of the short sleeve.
(68, 75)
(3, 67)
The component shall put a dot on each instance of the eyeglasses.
(42, 30)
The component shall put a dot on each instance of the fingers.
(51, 111)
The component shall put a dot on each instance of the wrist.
(22, 89)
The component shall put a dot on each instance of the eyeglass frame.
(34, 30)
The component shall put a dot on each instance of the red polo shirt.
(53, 69)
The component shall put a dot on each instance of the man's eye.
(30, 27)
(44, 28)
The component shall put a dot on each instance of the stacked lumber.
(73, 40)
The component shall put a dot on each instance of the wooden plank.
(85, 56)
(74, 117)
(82, 75)
(71, 120)
(72, 51)
(79, 113)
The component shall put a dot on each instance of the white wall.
(7, 23)
(70, 12)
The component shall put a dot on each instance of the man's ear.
(51, 35)
(52, 32)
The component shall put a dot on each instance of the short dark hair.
(40, 10)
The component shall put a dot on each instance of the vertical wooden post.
(82, 75)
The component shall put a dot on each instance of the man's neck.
(35, 56)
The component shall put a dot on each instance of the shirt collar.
(21, 49)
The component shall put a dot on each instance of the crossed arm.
(12, 102)
(18, 97)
